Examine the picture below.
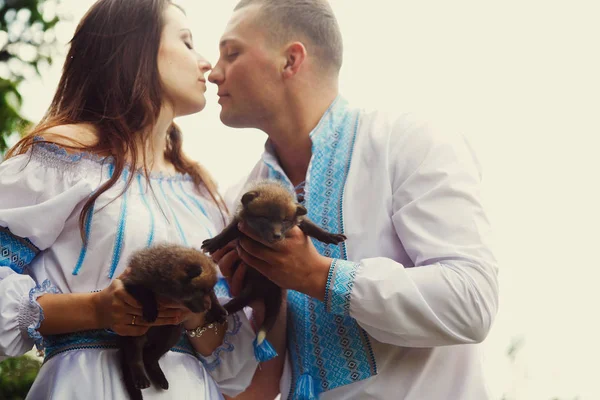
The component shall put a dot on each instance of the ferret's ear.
(301, 210)
(248, 197)
(192, 271)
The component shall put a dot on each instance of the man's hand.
(234, 270)
(293, 263)
(231, 266)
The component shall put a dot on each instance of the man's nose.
(216, 75)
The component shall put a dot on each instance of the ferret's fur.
(171, 272)
(270, 210)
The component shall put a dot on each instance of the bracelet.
(199, 331)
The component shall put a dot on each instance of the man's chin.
(233, 121)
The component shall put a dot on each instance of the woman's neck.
(156, 144)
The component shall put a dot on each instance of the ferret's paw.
(140, 380)
(157, 376)
(210, 245)
(336, 238)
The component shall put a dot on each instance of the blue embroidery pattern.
(179, 229)
(339, 286)
(147, 205)
(99, 339)
(179, 197)
(194, 200)
(197, 203)
(34, 293)
(16, 252)
(332, 349)
(61, 154)
(83, 252)
(222, 288)
(118, 248)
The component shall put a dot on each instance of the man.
(396, 311)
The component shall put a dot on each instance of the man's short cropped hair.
(310, 21)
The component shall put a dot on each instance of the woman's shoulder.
(67, 147)
(72, 137)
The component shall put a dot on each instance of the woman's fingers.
(128, 319)
(131, 330)
(162, 313)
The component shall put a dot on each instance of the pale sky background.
(520, 79)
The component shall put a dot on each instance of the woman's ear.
(295, 54)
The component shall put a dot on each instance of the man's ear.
(295, 55)
(248, 197)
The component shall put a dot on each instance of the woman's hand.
(116, 309)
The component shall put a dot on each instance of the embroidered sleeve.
(340, 282)
(16, 252)
(31, 314)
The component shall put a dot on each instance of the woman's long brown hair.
(110, 80)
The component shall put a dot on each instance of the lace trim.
(54, 155)
(227, 346)
(31, 314)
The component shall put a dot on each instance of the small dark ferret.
(270, 210)
(172, 272)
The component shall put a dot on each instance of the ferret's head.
(196, 278)
(270, 210)
(178, 273)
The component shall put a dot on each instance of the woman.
(100, 177)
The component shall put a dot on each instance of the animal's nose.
(277, 236)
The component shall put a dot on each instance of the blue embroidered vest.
(327, 350)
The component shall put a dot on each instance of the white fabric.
(412, 200)
(41, 197)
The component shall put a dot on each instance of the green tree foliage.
(27, 41)
(16, 377)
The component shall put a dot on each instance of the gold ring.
(133, 320)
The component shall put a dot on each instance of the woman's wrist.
(69, 312)
(194, 321)
(98, 313)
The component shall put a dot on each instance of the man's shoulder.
(410, 128)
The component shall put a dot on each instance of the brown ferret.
(172, 272)
(270, 210)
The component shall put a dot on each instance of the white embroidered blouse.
(41, 251)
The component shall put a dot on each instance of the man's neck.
(290, 134)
